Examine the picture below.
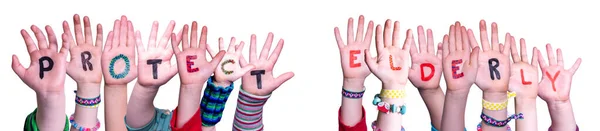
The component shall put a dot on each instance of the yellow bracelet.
(392, 94)
(497, 106)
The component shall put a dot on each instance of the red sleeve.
(193, 124)
(360, 126)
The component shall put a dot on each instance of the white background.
(311, 99)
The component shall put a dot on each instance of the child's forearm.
(391, 121)
(189, 102)
(115, 107)
(561, 113)
(352, 107)
(434, 100)
(495, 97)
(453, 118)
(50, 114)
(85, 116)
(527, 106)
(140, 109)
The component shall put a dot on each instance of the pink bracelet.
(373, 125)
(81, 128)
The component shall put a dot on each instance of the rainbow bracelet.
(81, 128)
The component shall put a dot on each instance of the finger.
(534, 59)
(87, 29)
(495, 38)
(264, 53)
(243, 61)
(124, 31)
(153, 35)
(409, 39)
(211, 51)
(371, 62)
(361, 26)
(65, 46)
(523, 50)
(283, 78)
(550, 53)
(501, 47)
(506, 49)
(166, 35)
(203, 38)
(108, 44)
(452, 38)
(465, 38)
(99, 36)
(231, 47)
(369, 35)
(540, 59)
(130, 35)
(387, 34)
(138, 43)
(513, 49)
(78, 31)
(483, 36)
(52, 39)
(116, 34)
(240, 48)
(252, 51)
(472, 40)
(458, 41)
(445, 46)
(244, 70)
(379, 39)
(39, 35)
(168, 53)
(275, 56)
(474, 57)
(430, 46)
(17, 67)
(575, 66)
(413, 48)
(194, 37)
(185, 38)
(175, 44)
(67, 30)
(439, 51)
(421, 39)
(338, 37)
(396, 36)
(215, 60)
(28, 41)
(350, 31)
(559, 57)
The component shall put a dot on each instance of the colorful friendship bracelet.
(576, 129)
(374, 126)
(392, 93)
(353, 94)
(497, 106)
(81, 128)
(213, 102)
(87, 102)
(493, 122)
(386, 107)
(480, 129)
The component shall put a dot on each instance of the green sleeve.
(31, 124)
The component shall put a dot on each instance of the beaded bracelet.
(433, 128)
(392, 93)
(87, 102)
(352, 94)
(493, 122)
(480, 129)
(576, 129)
(81, 128)
(374, 126)
(497, 106)
(387, 107)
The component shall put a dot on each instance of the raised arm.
(460, 70)
(425, 74)
(523, 81)
(555, 87)
(118, 69)
(391, 66)
(154, 70)
(355, 72)
(84, 69)
(257, 85)
(46, 76)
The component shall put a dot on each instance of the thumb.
(371, 62)
(474, 57)
(244, 70)
(215, 60)
(283, 78)
(17, 67)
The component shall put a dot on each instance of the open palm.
(423, 57)
(230, 70)
(523, 76)
(556, 81)
(351, 53)
(193, 67)
(391, 65)
(495, 57)
(85, 56)
(459, 59)
(118, 57)
(264, 65)
(47, 69)
(158, 69)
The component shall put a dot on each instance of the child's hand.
(523, 76)
(193, 67)
(351, 54)
(229, 69)
(47, 69)
(426, 69)
(118, 57)
(261, 81)
(494, 63)
(391, 65)
(459, 59)
(555, 85)
(85, 52)
(155, 67)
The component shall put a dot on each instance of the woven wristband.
(81, 128)
(497, 106)
(392, 93)
(87, 102)
(213, 102)
(353, 94)
(496, 123)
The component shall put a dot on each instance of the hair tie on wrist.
(81, 128)
(353, 94)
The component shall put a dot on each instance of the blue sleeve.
(160, 122)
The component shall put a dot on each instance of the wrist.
(428, 91)
(88, 90)
(496, 97)
(392, 86)
(554, 106)
(355, 84)
(221, 83)
(115, 86)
